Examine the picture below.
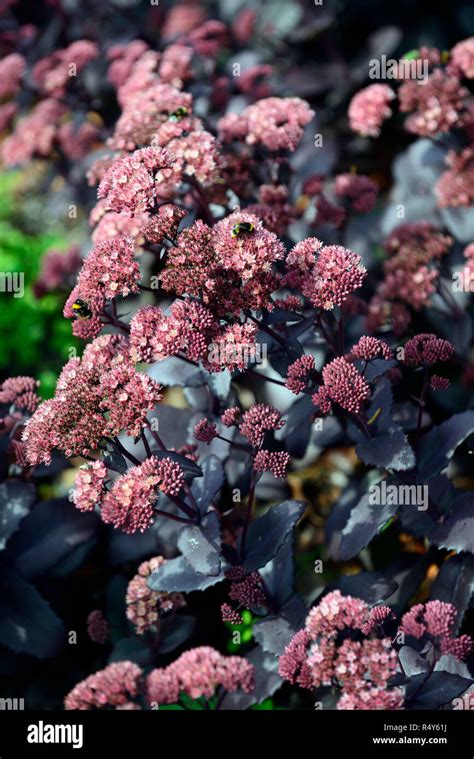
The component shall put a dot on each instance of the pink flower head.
(52, 74)
(439, 383)
(109, 270)
(209, 38)
(298, 374)
(233, 349)
(112, 686)
(228, 273)
(292, 665)
(319, 656)
(437, 620)
(344, 385)
(413, 244)
(329, 213)
(145, 607)
(337, 273)
(360, 191)
(182, 19)
(230, 615)
(198, 672)
(334, 613)
(244, 245)
(247, 588)
(102, 394)
(130, 184)
(90, 486)
(258, 420)
(462, 57)
(205, 431)
(277, 123)
(34, 134)
(369, 108)
(123, 58)
(130, 503)
(7, 113)
(20, 392)
(76, 141)
(376, 618)
(275, 462)
(145, 110)
(231, 417)
(12, 68)
(175, 64)
(437, 104)
(112, 224)
(127, 396)
(370, 348)
(195, 155)
(427, 349)
(455, 187)
(164, 224)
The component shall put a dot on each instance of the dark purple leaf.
(177, 575)
(437, 447)
(28, 625)
(438, 690)
(268, 533)
(205, 489)
(200, 545)
(275, 632)
(16, 497)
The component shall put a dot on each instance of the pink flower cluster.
(20, 392)
(190, 328)
(410, 274)
(436, 620)
(455, 187)
(276, 123)
(129, 505)
(34, 134)
(275, 462)
(342, 384)
(259, 420)
(299, 373)
(369, 108)
(360, 191)
(370, 348)
(437, 105)
(316, 656)
(131, 183)
(198, 672)
(52, 74)
(113, 686)
(247, 590)
(426, 349)
(90, 486)
(96, 396)
(145, 607)
(12, 68)
(327, 274)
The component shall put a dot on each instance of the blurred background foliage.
(35, 337)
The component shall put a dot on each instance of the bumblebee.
(242, 228)
(179, 113)
(81, 309)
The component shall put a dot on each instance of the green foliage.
(34, 335)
